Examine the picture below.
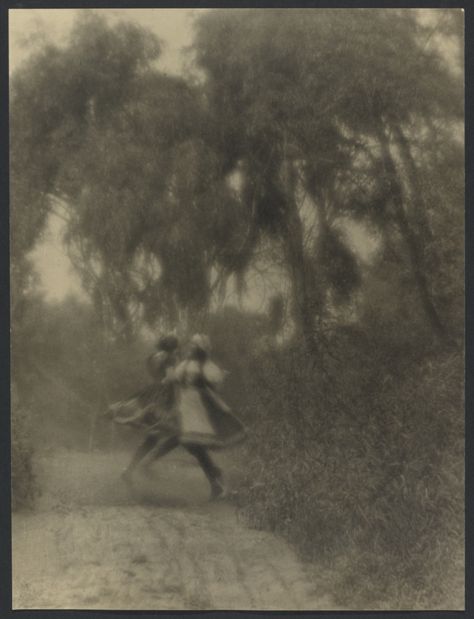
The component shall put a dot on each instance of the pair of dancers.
(181, 407)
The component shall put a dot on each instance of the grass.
(364, 468)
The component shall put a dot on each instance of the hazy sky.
(172, 26)
(27, 28)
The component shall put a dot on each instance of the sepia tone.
(237, 308)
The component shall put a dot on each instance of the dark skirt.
(205, 419)
(153, 405)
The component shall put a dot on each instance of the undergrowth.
(24, 487)
(360, 464)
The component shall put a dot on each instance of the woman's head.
(168, 343)
(200, 346)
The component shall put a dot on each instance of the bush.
(364, 461)
(23, 482)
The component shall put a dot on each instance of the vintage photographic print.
(237, 308)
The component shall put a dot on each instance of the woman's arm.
(155, 363)
(136, 419)
(212, 374)
(133, 420)
(170, 376)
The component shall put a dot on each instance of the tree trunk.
(415, 253)
(419, 207)
(294, 253)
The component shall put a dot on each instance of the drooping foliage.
(127, 165)
(339, 104)
(340, 113)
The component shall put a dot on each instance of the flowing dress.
(202, 415)
(151, 408)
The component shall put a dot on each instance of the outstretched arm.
(135, 420)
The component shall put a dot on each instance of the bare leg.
(210, 468)
(160, 449)
(143, 449)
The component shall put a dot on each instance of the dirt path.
(94, 545)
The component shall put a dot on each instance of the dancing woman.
(204, 421)
(151, 408)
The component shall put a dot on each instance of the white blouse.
(188, 371)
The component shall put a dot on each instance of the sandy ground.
(93, 543)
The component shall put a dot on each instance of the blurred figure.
(152, 407)
(204, 419)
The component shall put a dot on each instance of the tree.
(326, 117)
(332, 104)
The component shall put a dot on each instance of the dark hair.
(168, 343)
(198, 354)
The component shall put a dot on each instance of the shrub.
(364, 461)
(23, 483)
